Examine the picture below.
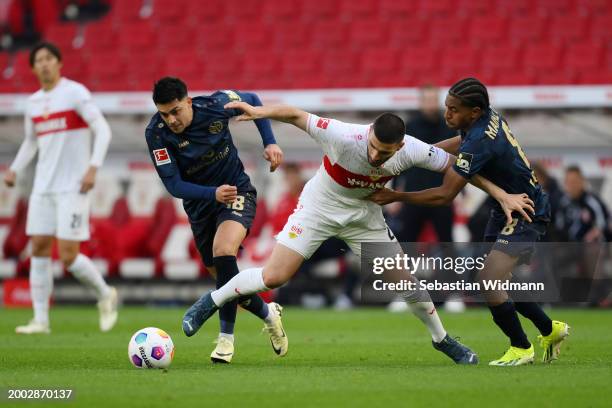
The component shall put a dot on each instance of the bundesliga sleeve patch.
(323, 123)
(161, 156)
(233, 96)
(464, 161)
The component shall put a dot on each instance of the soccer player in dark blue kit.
(486, 146)
(193, 152)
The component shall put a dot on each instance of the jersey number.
(521, 153)
(509, 229)
(238, 203)
(77, 219)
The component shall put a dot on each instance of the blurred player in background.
(358, 159)
(59, 121)
(487, 147)
(193, 152)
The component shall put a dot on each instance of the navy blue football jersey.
(490, 149)
(203, 153)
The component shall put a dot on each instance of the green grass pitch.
(366, 357)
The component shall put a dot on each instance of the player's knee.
(224, 249)
(273, 281)
(67, 256)
(41, 247)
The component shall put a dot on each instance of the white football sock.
(85, 271)
(427, 313)
(246, 282)
(41, 285)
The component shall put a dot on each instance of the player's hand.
(250, 112)
(88, 180)
(226, 194)
(383, 196)
(274, 155)
(520, 203)
(9, 178)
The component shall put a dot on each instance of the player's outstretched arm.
(26, 153)
(281, 113)
(450, 145)
(451, 185)
(272, 151)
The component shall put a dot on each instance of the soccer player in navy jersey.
(192, 149)
(487, 147)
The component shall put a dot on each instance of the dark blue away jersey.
(490, 149)
(203, 153)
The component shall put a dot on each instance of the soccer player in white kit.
(358, 159)
(59, 121)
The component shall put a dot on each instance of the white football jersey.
(346, 176)
(57, 125)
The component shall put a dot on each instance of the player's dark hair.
(168, 89)
(574, 168)
(471, 92)
(389, 128)
(52, 48)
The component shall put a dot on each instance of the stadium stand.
(214, 36)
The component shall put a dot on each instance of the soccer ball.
(151, 348)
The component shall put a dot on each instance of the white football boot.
(108, 310)
(33, 327)
(278, 338)
(224, 351)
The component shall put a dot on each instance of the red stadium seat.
(290, 36)
(475, 8)
(435, 8)
(602, 76)
(314, 11)
(419, 59)
(75, 66)
(342, 68)
(379, 63)
(446, 31)
(583, 56)
(244, 11)
(411, 32)
(100, 36)
(516, 9)
(564, 29)
(524, 30)
(252, 36)
(213, 13)
(138, 36)
(368, 34)
(274, 11)
(393, 9)
(541, 57)
(62, 35)
(488, 30)
(555, 7)
(259, 63)
(351, 10)
(329, 35)
(593, 7)
(463, 58)
(513, 78)
(555, 77)
(496, 57)
(213, 38)
(126, 12)
(600, 28)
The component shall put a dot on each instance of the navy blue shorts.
(516, 239)
(242, 210)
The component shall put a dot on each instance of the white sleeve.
(97, 123)
(416, 153)
(324, 130)
(28, 148)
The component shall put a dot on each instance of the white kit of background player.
(60, 120)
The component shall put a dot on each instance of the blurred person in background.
(582, 216)
(59, 122)
(555, 196)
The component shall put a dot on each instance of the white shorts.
(312, 223)
(63, 215)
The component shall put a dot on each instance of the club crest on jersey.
(323, 123)
(216, 127)
(233, 96)
(296, 230)
(161, 156)
(464, 161)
